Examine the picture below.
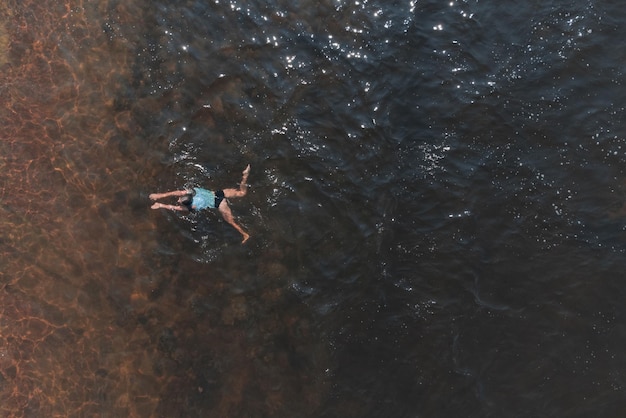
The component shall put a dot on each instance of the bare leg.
(244, 178)
(243, 188)
(228, 217)
(156, 196)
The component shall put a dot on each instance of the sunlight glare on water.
(435, 204)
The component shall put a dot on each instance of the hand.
(157, 205)
(246, 171)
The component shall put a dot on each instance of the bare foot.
(246, 171)
(154, 196)
(157, 205)
(245, 238)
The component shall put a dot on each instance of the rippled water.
(436, 207)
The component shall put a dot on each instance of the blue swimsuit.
(206, 198)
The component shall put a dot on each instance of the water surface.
(435, 203)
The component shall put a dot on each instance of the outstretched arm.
(158, 205)
(178, 193)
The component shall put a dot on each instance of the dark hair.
(187, 200)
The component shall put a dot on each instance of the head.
(186, 201)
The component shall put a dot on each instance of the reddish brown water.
(93, 320)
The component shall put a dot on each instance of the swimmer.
(198, 198)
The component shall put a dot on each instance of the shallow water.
(436, 206)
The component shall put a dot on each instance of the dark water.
(436, 206)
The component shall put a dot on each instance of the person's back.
(199, 198)
(203, 198)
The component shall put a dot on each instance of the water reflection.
(428, 214)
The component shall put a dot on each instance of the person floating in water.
(199, 198)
